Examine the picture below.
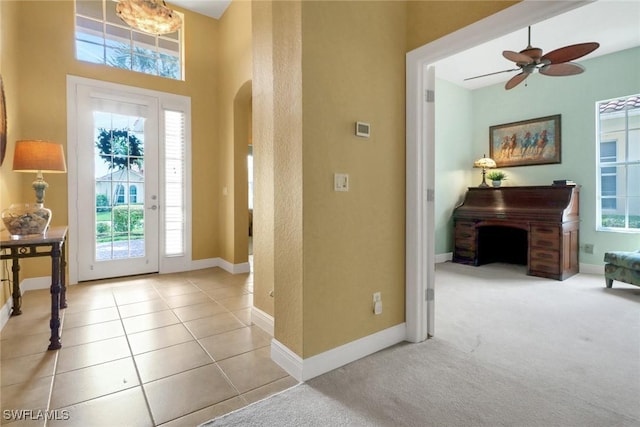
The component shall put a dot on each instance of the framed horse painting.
(528, 142)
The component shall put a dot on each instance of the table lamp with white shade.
(484, 163)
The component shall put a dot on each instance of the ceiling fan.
(554, 63)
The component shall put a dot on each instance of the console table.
(50, 244)
(540, 221)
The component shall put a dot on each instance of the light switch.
(340, 182)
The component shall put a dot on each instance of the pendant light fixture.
(149, 16)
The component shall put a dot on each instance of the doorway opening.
(420, 149)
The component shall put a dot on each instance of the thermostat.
(363, 129)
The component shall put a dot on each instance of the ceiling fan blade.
(569, 53)
(518, 58)
(516, 80)
(491, 74)
(562, 69)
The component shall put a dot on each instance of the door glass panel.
(119, 186)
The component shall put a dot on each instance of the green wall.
(574, 98)
(454, 127)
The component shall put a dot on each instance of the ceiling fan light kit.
(556, 63)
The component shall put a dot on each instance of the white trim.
(30, 284)
(233, 268)
(35, 283)
(417, 236)
(305, 369)
(222, 263)
(262, 320)
(420, 234)
(287, 359)
(592, 269)
(164, 101)
(5, 312)
(446, 257)
(201, 264)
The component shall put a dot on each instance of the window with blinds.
(103, 38)
(174, 183)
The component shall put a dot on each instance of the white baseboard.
(5, 312)
(233, 268)
(30, 284)
(305, 369)
(287, 359)
(584, 268)
(243, 267)
(262, 320)
(592, 269)
(440, 258)
(35, 283)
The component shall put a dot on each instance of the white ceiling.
(615, 24)
(212, 8)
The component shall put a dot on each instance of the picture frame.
(527, 142)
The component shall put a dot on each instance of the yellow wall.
(263, 155)
(288, 174)
(38, 43)
(429, 20)
(234, 115)
(353, 69)
(9, 182)
(318, 68)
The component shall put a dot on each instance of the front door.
(117, 184)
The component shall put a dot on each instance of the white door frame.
(420, 148)
(166, 101)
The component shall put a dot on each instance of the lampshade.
(484, 162)
(38, 156)
(149, 16)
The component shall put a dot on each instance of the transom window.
(103, 38)
(618, 145)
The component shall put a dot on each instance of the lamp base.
(484, 181)
(24, 219)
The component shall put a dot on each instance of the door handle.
(153, 207)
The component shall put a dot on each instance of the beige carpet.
(509, 350)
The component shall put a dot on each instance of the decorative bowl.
(24, 219)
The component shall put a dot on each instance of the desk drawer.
(548, 267)
(545, 256)
(464, 253)
(465, 229)
(545, 237)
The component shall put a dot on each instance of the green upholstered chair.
(623, 267)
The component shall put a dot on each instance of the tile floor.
(157, 350)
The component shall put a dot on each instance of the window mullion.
(109, 52)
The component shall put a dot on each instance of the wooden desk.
(27, 247)
(489, 220)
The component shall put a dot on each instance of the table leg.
(63, 277)
(17, 296)
(55, 297)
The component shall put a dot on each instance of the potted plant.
(496, 177)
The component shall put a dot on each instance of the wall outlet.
(588, 248)
(377, 303)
